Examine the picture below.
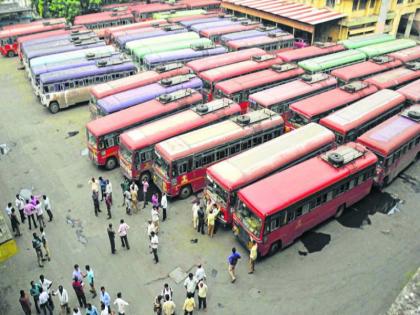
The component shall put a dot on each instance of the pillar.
(409, 25)
(380, 25)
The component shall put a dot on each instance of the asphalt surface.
(355, 266)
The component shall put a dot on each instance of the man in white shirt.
(19, 203)
(121, 304)
(108, 189)
(164, 205)
(154, 242)
(63, 298)
(155, 218)
(47, 207)
(200, 274)
(44, 302)
(8, 211)
(150, 228)
(39, 214)
(195, 208)
(122, 232)
(190, 284)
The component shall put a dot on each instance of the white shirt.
(150, 228)
(134, 187)
(191, 284)
(43, 297)
(38, 209)
(195, 208)
(121, 304)
(19, 203)
(155, 215)
(78, 312)
(63, 297)
(8, 211)
(164, 202)
(154, 242)
(47, 205)
(45, 285)
(94, 185)
(104, 311)
(108, 188)
(200, 274)
(122, 229)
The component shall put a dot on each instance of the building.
(14, 13)
(332, 20)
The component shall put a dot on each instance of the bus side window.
(183, 168)
(235, 148)
(221, 153)
(298, 211)
(208, 158)
(290, 215)
(198, 161)
(257, 140)
(330, 195)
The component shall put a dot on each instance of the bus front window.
(126, 154)
(162, 165)
(91, 140)
(250, 221)
(221, 195)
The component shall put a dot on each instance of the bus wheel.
(10, 54)
(111, 163)
(54, 107)
(185, 192)
(145, 176)
(274, 248)
(340, 211)
(385, 182)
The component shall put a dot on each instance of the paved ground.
(355, 266)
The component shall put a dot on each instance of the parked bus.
(394, 79)
(189, 23)
(259, 31)
(154, 60)
(352, 121)
(396, 142)
(8, 37)
(407, 55)
(181, 19)
(411, 92)
(109, 33)
(213, 76)
(333, 61)
(365, 69)
(103, 90)
(224, 22)
(145, 11)
(180, 165)
(123, 100)
(214, 34)
(203, 4)
(137, 145)
(172, 14)
(224, 179)
(313, 108)
(366, 40)
(224, 59)
(275, 211)
(239, 88)
(279, 98)
(318, 49)
(103, 133)
(269, 42)
(387, 47)
(69, 87)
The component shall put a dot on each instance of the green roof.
(365, 40)
(168, 14)
(325, 63)
(387, 47)
(130, 46)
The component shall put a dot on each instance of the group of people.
(205, 212)
(105, 187)
(164, 304)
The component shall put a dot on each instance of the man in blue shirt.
(232, 261)
(91, 310)
(102, 183)
(105, 298)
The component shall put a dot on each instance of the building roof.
(291, 10)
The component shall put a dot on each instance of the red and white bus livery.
(394, 79)
(411, 91)
(318, 49)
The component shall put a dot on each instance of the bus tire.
(274, 248)
(145, 176)
(185, 192)
(340, 211)
(54, 107)
(385, 182)
(111, 163)
(10, 54)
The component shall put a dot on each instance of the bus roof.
(143, 78)
(309, 52)
(224, 59)
(290, 90)
(406, 55)
(277, 192)
(201, 26)
(387, 47)
(182, 55)
(102, 17)
(242, 34)
(146, 33)
(329, 100)
(258, 162)
(180, 19)
(214, 135)
(365, 40)
(33, 28)
(252, 80)
(393, 77)
(363, 69)
(332, 60)
(236, 69)
(228, 29)
(33, 38)
(411, 91)
(134, 26)
(161, 39)
(254, 41)
(155, 7)
(145, 111)
(390, 135)
(362, 111)
(173, 125)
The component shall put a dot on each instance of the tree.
(64, 8)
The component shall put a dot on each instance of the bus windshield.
(162, 165)
(250, 221)
(298, 119)
(217, 191)
(91, 139)
(126, 154)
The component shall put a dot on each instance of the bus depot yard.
(309, 151)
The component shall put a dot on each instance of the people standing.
(108, 190)
(25, 303)
(200, 214)
(29, 210)
(232, 261)
(76, 311)
(80, 294)
(105, 298)
(39, 214)
(95, 200)
(34, 291)
(154, 243)
(127, 202)
(102, 185)
(91, 280)
(145, 189)
(121, 304)
(125, 186)
(44, 303)
(94, 186)
(200, 273)
(45, 243)
(155, 218)
(19, 203)
(189, 305)
(104, 309)
(155, 200)
(253, 254)
(47, 207)
(46, 286)
(77, 273)
(134, 199)
(122, 232)
(8, 209)
(168, 306)
(15, 223)
(202, 295)
(150, 228)
(91, 310)
(108, 202)
(63, 297)
(195, 207)
(211, 219)
(157, 305)
(190, 284)
(167, 292)
(37, 245)
(111, 235)
(164, 205)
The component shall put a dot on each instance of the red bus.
(192, 17)
(352, 121)
(407, 55)
(224, 179)
(103, 133)
(318, 49)
(181, 162)
(239, 88)
(212, 62)
(214, 34)
(279, 98)
(365, 69)
(411, 92)
(313, 108)
(276, 211)
(145, 11)
(269, 42)
(202, 4)
(213, 76)
(396, 142)
(137, 145)
(110, 32)
(144, 78)
(8, 37)
(394, 79)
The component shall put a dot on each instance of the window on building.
(372, 3)
(355, 4)
(400, 1)
(363, 4)
(331, 3)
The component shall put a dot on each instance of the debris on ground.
(72, 133)
(4, 149)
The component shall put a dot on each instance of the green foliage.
(64, 8)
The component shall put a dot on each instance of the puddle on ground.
(76, 223)
(214, 273)
(377, 201)
(314, 242)
(412, 181)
